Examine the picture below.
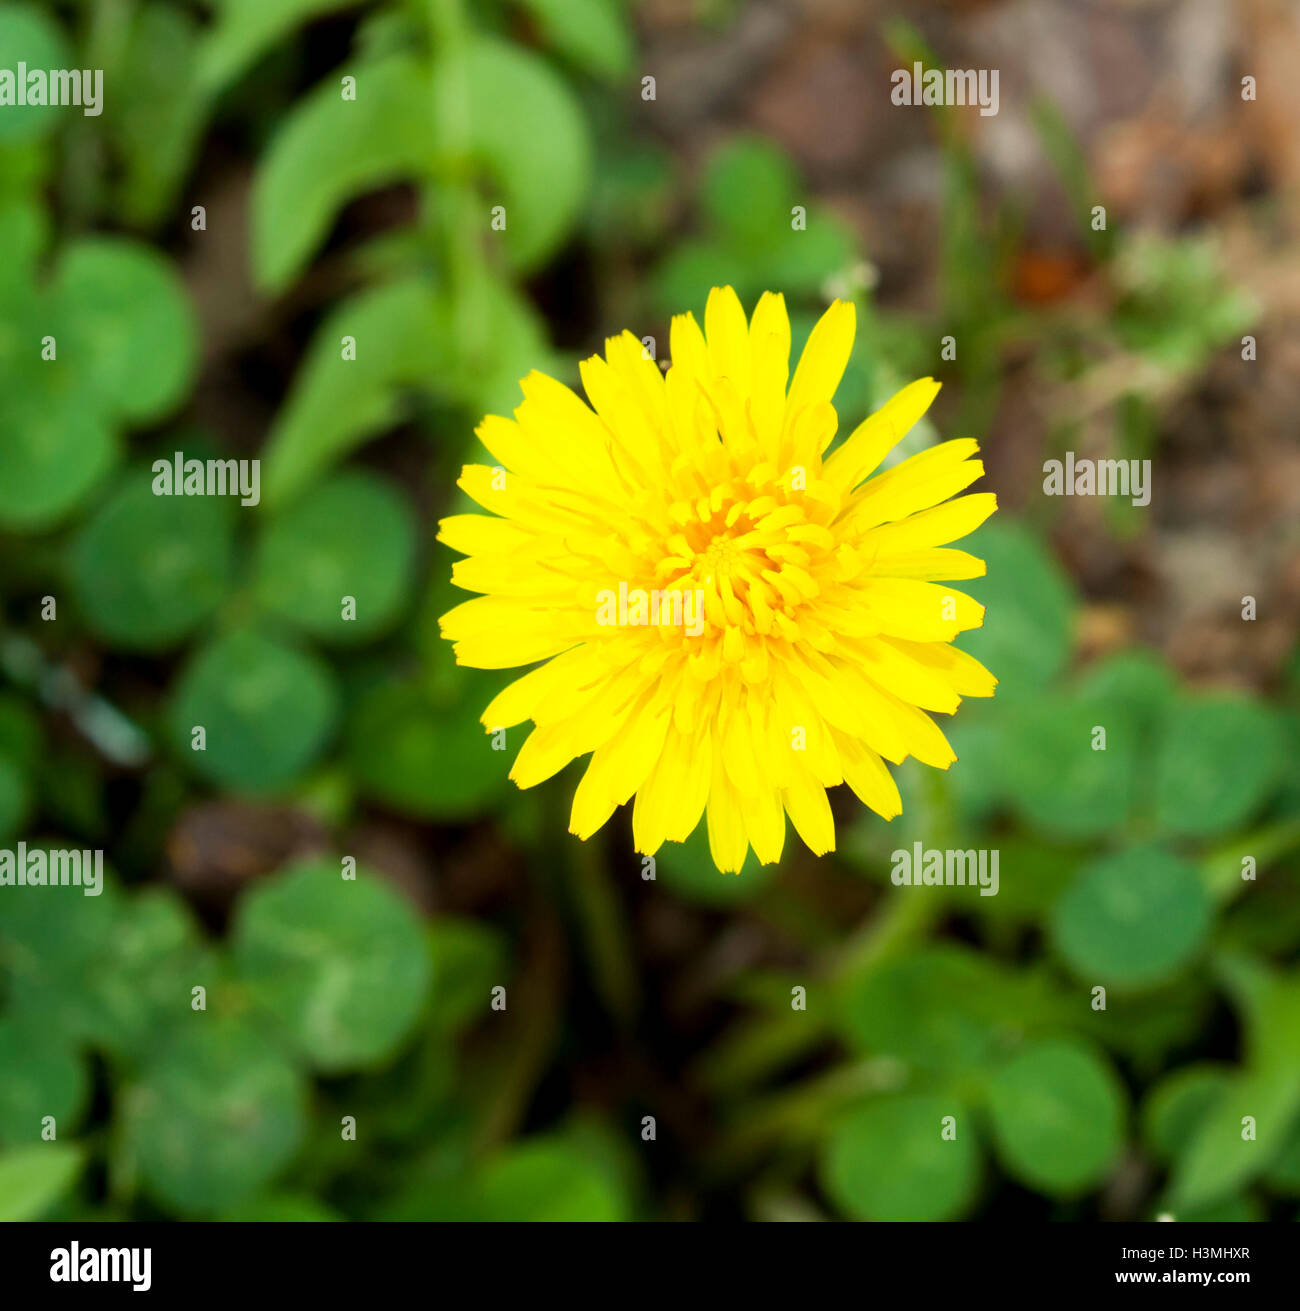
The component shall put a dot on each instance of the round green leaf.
(1059, 781)
(984, 748)
(801, 262)
(889, 1160)
(341, 963)
(56, 949)
(1176, 1106)
(423, 760)
(146, 570)
(691, 268)
(33, 38)
(44, 1075)
(351, 537)
(33, 1178)
(1058, 1117)
(1032, 875)
(156, 957)
(129, 326)
(215, 1116)
(267, 709)
(747, 191)
(1138, 681)
(547, 1180)
(1218, 761)
(1132, 920)
(57, 445)
(1027, 631)
(942, 1008)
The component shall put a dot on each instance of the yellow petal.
(877, 435)
(825, 357)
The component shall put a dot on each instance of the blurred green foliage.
(331, 1000)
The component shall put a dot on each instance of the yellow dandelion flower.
(730, 620)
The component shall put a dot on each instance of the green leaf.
(1027, 632)
(56, 949)
(155, 957)
(1132, 920)
(984, 747)
(1176, 1106)
(1032, 875)
(798, 264)
(684, 278)
(1057, 1112)
(1236, 1208)
(1250, 1124)
(58, 445)
(1055, 777)
(422, 759)
(592, 33)
(267, 709)
(33, 1178)
(889, 1160)
(214, 1117)
(1218, 762)
(336, 404)
(802, 261)
(1219, 1158)
(544, 1179)
(1150, 1028)
(747, 191)
(512, 342)
(942, 1007)
(552, 1178)
(526, 129)
(109, 971)
(1283, 1175)
(747, 197)
(24, 234)
(340, 963)
(352, 536)
(328, 151)
(246, 29)
(1138, 682)
(129, 329)
(158, 110)
(146, 570)
(33, 38)
(468, 957)
(281, 1208)
(44, 1076)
